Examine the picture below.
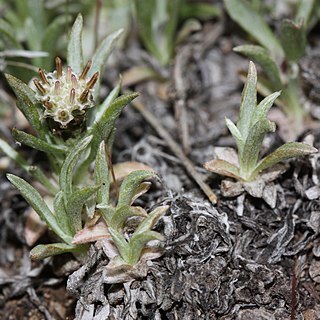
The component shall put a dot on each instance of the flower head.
(65, 95)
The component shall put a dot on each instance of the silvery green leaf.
(37, 143)
(157, 22)
(152, 218)
(248, 103)
(74, 204)
(61, 215)
(101, 109)
(103, 51)
(293, 39)
(21, 89)
(13, 154)
(27, 104)
(264, 106)
(242, 13)
(106, 212)
(121, 244)
(74, 53)
(130, 184)
(43, 251)
(286, 151)
(102, 129)
(139, 241)
(102, 175)
(66, 175)
(224, 168)
(35, 200)
(252, 146)
(235, 133)
(121, 215)
(262, 56)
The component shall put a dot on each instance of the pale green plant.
(249, 133)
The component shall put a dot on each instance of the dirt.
(240, 259)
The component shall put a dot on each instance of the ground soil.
(240, 259)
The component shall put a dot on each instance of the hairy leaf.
(249, 102)
(241, 12)
(43, 251)
(148, 223)
(74, 53)
(130, 184)
(37, 143)
(102, 175)
(121, 215)
(293, 39)
(75, 204)
(138, 242)
(35, 200)
(61, 215)
(286, 151)
(224, 168)
(261, 56)
(252, 146)
(121, 244)
(69, 164)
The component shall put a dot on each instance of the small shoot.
(249, 133)
(278, 56)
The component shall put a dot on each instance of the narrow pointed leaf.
(103, 128)
(106, 212)
(35, 200)
(74, 53)
(61, 215)
(121, 244)
(121, 215)
(130, 184)
(261, 56)
(287, 151)
(235, 133)
(148, 223)
(102, 175)
(242, 13)
(223, 168)
(103, 52)
(13, 154)
(75, 204)
(293, 39)
(37, 143)
(69, 164)
(27, 104)
(42, 251)
(252, 146)
(139, 241)
(108, 101)
(249, 102)
(264, 106)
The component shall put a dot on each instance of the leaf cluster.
(249, 133)
(273, 52)
(74, 189)
(158, 22)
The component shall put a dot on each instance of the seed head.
(64, 93)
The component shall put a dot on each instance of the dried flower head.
(65, 95)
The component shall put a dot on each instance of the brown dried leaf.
(121, 170)
(92, 234)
